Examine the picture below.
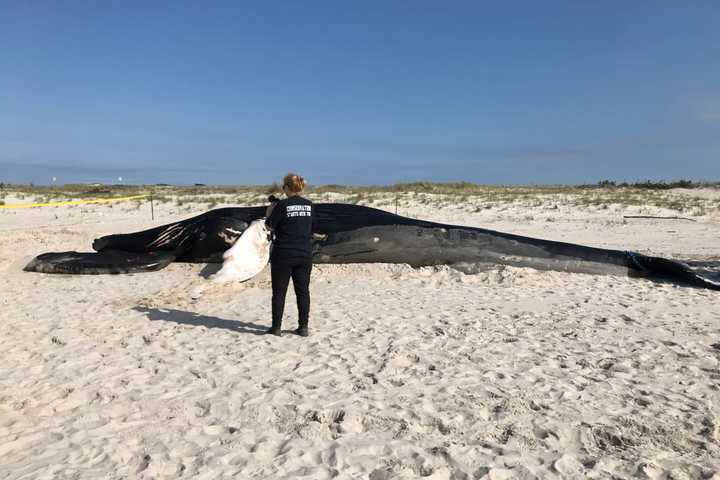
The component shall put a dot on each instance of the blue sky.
(359, 92)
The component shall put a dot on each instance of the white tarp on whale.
(248, 256)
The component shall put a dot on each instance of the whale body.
(346, 233)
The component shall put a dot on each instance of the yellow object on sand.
(74, 202)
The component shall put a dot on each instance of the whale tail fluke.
(698, 275)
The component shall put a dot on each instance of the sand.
(408, 373)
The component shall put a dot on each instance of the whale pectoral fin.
(105, 262)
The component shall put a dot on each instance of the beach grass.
(469, 196)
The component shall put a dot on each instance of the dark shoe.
(302, 331)
(273, 331)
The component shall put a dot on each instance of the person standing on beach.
(291, 221)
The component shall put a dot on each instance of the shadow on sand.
(195, 319)
(210, 269)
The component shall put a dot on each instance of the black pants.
(281, 270)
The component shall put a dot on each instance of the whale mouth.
(105, 262)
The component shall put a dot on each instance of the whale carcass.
(347, 233)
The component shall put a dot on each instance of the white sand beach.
(408, 373)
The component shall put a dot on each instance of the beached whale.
(356, 234)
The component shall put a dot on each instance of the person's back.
(291, 221)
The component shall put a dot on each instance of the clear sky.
(359, 92)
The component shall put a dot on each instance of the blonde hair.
(294, 182)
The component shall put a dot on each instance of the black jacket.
(292, 222)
